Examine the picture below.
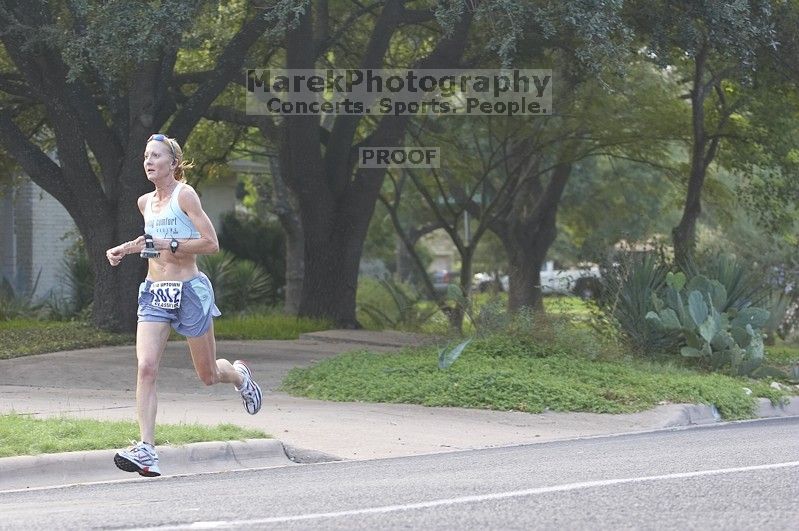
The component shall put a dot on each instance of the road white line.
(473, 499)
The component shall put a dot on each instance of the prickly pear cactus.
(723, 339)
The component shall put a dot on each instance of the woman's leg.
(209, 369)
(151, 339)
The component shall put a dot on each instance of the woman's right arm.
(116, 254)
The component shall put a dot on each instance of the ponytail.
(180, 165)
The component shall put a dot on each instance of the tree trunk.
(528, 239)
(465, 284)
(287, 213)
(332, 258)
(116, 288)
(684, 234)
(524, 276)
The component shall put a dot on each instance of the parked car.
(582, 280)
(483, 282)
(443, 278)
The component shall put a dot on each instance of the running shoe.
(250, 391)
(141, 458)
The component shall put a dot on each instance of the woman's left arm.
(207, 243)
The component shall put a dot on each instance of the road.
(731, 476)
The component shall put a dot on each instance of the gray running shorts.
(194, 300)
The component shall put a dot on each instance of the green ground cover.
(510, 373)
(23, 435)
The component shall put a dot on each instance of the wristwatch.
(173, 245)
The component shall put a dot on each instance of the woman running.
(175, 293)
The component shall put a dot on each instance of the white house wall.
(52, 232)
(217, 200)
(8, 255)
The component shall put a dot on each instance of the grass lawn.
(266, 326)
(783, 354)
(785, 358)
(22, 435)
(23, 337)
(505, 373)
(567, 307)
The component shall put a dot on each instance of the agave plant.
(627, 292)
(744, 288)
(238, 283)
(406, 311)
(79, 279)
(216, 267)
(14, 305)
(246, 284)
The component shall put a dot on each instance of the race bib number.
(166, 294)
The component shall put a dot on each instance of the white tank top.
(171, 222)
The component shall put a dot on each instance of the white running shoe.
(141, 458)
(250, 391)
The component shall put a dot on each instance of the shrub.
(263, 242)
(238, 284)
(15, 305)
(386, 303)
(79, 280)
(711, 320)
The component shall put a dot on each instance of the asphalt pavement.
(100, 383)
(740, 475)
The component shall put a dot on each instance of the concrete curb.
(765, 409)
(98, 465)
(696, 414)
(692, 415)
(305, 456)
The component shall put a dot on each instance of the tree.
(769, 157)
(336, 200)
(714, 44)
(468, 159)
(262, 142)
(103, 76)
(626, 120)
(635, 199)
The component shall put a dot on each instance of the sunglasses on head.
(158, 137)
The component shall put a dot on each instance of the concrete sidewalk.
(100, 383)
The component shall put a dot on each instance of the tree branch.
(321, 45)
(36, 164)
(416, 16)
(337, 163)
(223, 113)
(229, 62)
